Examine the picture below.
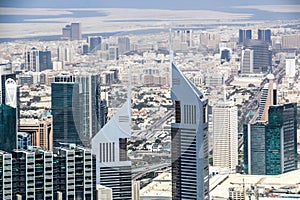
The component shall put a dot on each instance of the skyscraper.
(45, 60)
(290, 65)
(94, 43)
(5, 73)
(32, 60)
(76, 106)
(262, 55)
(8, 117)
(247, 61)
(225, 130)
(270, 140)
(113, 167)
(72, 32)
(265, 35)
(244, 35)
(189, 140)
(124, 45)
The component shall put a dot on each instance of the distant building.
(40, 130)
(225, 131)
(290, 65)
(110, 147)
(265, 35)
(262, 56)
(189, 133)
(72, 32)
(225, 55)
(291, 41)
(94, 43)
(84, 49)
(5, 73)
(45, 60)
(24, 141)
(244, 35)
(247, 61)
(26, 79)
(124, 45)
(113, 53)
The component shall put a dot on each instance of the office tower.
(247, 61)
(113, 167)
(265, 35)
(65, 54)
(45, 60)
(262, 56)
(225, 55)
(244, 35)
(40, 130)
(75, 108)
(5, 73)
(225, 130)
(24, 140)
(73, 172)
(94, 43)
(124, 45)
(72, 32)
(66, 32)
(290, 65)
(270, 140)
(113, 53)
(8, 118)
(189, 140)
(32, 60)
(5, 175)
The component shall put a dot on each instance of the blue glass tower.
(8, 132)
(189, 140)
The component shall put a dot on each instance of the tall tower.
(189, 140)
(244, 35)
(76, 108)
(113, 167)
(75, 31)
(32, 60)
(247, 61)
(290, 65)
(265, 35)
(225, 130)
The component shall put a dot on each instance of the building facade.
(189, 136)
(264, 35)
(244, 35)
(225, 130)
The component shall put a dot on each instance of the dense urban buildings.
(189, 140)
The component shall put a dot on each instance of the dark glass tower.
(265, 35)
(8, 130)
(244, 35)
(45, 60)
(270, 148)
(76, 109)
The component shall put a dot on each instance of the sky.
(221, 5)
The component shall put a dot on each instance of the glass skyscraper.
(265, 35)
(189, 140)
(271, 147)
(244, 35)
(8, 128)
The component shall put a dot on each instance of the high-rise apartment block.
(189, 140)
(66, 173)
(265, 35)
(110, 147)
(244, 35)
(72, 32)
(225, 131)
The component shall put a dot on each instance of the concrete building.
(225, 131)
(290, 65)
(189, 140)
(247, 61)
(113, 167)
(291, 41)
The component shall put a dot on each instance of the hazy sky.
(159, 4)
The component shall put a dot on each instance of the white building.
(225, 130)
(290, 65)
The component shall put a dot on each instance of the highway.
(139, 172)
